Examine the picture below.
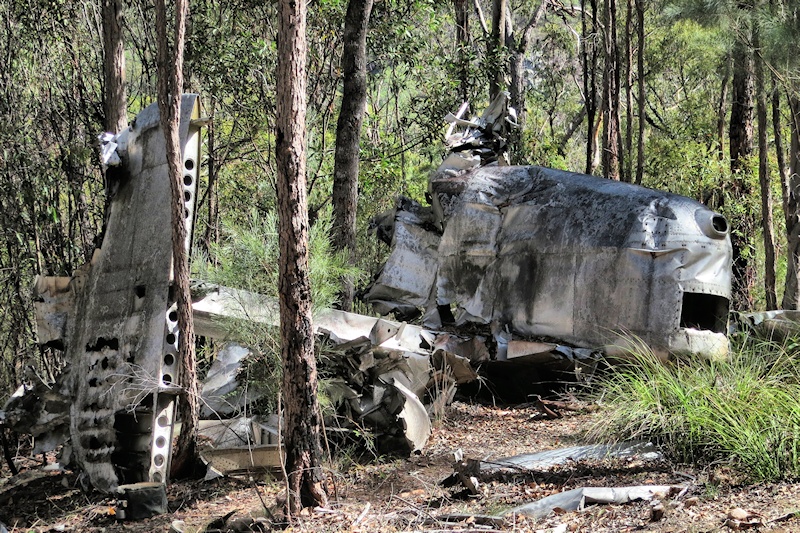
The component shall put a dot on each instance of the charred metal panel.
(535, 252)
(577, 258)
(122, 339)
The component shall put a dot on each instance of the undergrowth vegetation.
(247, 258)
(744, 411)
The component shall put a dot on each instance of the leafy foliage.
(247, 258)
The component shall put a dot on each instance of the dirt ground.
(408, 495)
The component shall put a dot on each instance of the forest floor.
(407, 494)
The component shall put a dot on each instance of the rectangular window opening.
(705, 311)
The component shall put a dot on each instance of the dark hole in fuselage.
(704, 311)
(101, 343)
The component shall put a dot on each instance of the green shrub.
(247, 258)
(745, 410)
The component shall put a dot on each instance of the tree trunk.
(791, 294)
(115, 100)
(721, 107)
(348, 135)
(764, 181)
(170, 86)
(518, 48)
(611, 132)
(780, 157)
(589, 67)
(780, 154)
(640, 7)
(496, 51)
(741, 147)
(211, 236)
(303, 418)
(627, 175)
(461, 9)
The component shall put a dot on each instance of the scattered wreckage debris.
(115, 318)
(533, 253)
(491, 254)
(471, 473)
(578, 499)
(776, 325)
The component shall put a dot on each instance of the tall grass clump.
(744, 410)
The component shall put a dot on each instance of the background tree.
(348, 135)
(115, 96)
(302, 415)
(612, 136)
(767, 229)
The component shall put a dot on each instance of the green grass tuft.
(745, 410)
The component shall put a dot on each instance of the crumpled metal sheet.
(774, 325)
(221, 392)
(41, 410)
(578, 499)
(539, 461)
(380, 380)
(532, 252)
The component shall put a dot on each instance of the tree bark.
(303, 418)
(741, 147)
(764, 181)
(780, 157)
(496, 51)
(589, 67)
(791, 294)
(348, 135)
(461, 9)
(721, 107)
(211, 236)
(640, 8)
(170, 86)
(115, 100)
(611, 132)
(627, 175)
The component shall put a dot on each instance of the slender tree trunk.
(741, 125)
(640, 8)
(589, 59)
(211, 236)
(627, 151)
(780, 154)
(722, 105)
(611, 132)
(115, 100)
(170, 87)
(791, 294)
(741, 147)
(303, 419)
(496, 52)
(348, 135)
(461, 9)
(517, 45)
(764, 180)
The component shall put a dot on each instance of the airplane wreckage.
(550, 268)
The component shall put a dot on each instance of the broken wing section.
(122, 338)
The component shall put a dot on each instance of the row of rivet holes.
(169, 359)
